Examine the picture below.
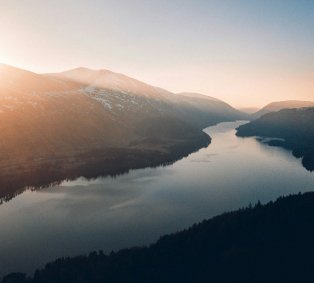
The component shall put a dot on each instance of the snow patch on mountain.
(114, 100)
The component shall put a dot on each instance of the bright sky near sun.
(246, 52)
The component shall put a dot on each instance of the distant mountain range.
(293, 127)
(85, 122)
(279, 105)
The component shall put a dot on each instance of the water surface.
(137, 208)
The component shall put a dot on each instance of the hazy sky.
(246, 52)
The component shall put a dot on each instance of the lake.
(136, 208)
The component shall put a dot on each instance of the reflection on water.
(78, 216)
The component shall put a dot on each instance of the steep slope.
(264, 243)
(131, 102)
(48, 127)
(150, 108)
(276, 106)
(294, 126)
(204, 110)
(117, 89)
(89, 123)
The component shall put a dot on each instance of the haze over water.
(136, 208)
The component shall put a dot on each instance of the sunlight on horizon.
(219, 84)
(232, 52)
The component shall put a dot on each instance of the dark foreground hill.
(264, 243)
(294, 126)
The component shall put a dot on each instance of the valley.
(99, 153)
(156, 141)
(135, 209)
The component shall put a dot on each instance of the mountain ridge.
(279, 105)
(92, 124)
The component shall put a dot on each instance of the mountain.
(88, 123)
(276, 106)
(207, 108)
(107, 80)
(264, 243)
(293, 127)
(196, 109)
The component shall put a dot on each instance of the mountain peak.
(87, 71)
(198, 95)
(106, 79)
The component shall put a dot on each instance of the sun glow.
(250, 60)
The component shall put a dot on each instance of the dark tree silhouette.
(261, 243)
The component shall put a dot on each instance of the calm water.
(135, 209)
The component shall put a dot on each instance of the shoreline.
(97, 163)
